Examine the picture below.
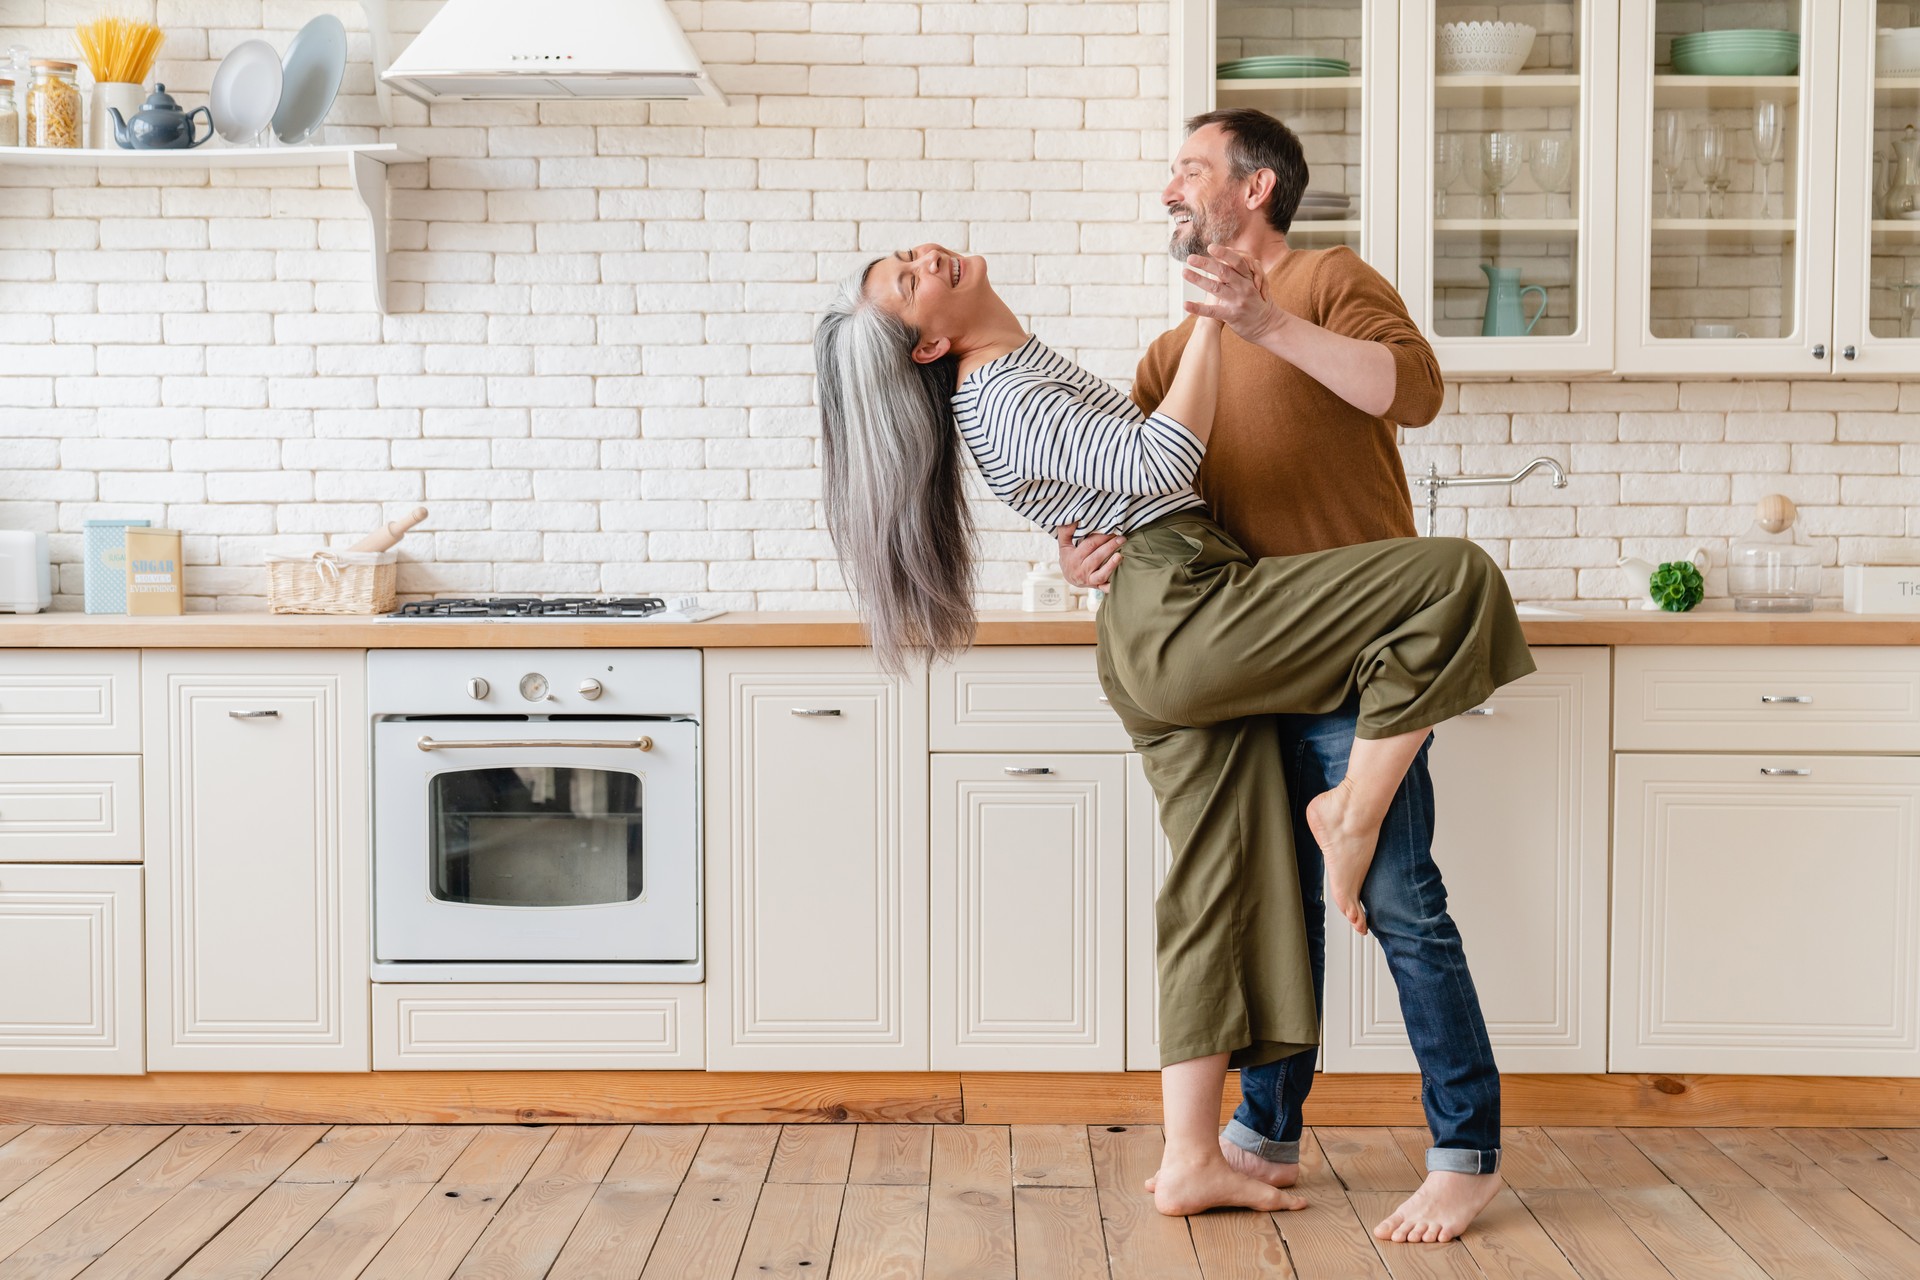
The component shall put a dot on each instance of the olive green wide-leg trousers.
(1200, 646)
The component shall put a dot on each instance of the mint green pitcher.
(1503, 303)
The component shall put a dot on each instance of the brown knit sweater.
(1291, 467)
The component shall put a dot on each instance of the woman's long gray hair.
(895, 499)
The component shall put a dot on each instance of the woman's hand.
(1237, 289)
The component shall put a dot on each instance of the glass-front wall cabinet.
(1877, 193)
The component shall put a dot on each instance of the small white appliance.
(509, 49)
(536, 815)
(26, 572)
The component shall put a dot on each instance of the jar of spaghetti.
(53, 105)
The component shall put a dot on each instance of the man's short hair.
(1256, 141)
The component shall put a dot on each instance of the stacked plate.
(1323, 206)
(1287, 66)
(1737, 53)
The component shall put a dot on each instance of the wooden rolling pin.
(383, 538)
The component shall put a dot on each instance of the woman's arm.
(1195, 392)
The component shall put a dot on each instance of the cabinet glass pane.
(1726, 168)
(1506, 111)
(1894, 302)
(1303, 63)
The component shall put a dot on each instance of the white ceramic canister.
(129, 98)
(1045, 590)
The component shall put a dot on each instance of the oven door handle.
(428, 744)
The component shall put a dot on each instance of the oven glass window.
(535, 836)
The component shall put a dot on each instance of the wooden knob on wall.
(1775, 512)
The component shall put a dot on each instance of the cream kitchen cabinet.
(1149, 854)
(70, 947)
(1028, 931)
(1520, 798)
(816, 862)
(257, 860)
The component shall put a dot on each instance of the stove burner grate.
(533, 607)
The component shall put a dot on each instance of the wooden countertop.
(802, 630)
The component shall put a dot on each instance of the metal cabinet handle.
(1478, 711)
(1786, 697)
(254, 715)
(816, 711)
(635, 744)
(1026, 771)
(1819, 351)
(1786, 773)
(1104, 698)
(1847, 351)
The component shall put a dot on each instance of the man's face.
(1200, 199)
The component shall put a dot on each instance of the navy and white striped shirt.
(1060, 446)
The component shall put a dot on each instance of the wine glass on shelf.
(1446, 169)
(1552, 168)
(1766, 147)
(1909, 303)
(1672, 150)
(1710, 159)
(1500, 163)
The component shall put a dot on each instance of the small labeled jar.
(53, 105)
(1045, 590)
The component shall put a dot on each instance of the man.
(1321, 365)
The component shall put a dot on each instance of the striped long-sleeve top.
(1060, 446)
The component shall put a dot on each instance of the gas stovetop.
(512, 607)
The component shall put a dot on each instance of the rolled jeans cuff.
(1266, 1148)
(1457, 1160)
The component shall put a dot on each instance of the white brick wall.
(596, 373)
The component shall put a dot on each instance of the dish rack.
(329, 581)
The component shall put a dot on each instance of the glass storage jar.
(53, 105)
(9, 115)
(1767, 571)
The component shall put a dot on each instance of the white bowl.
(1483, 48)
(1897, 52)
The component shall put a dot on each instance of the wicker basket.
(333, 582)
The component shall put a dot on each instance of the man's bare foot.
(1182, 1189)
(1346, 841)
(1441, 1209)
(1241, 1160)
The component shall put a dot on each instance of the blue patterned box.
(105, 578)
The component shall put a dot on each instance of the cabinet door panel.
(1028, 917)
(1024, 698)
(816, 863)
(1520, 797)
(1766, 922)
(1148, 855)
(69, 808)
(257, 916)
(537, 1026)
(70, 701)
(70, 947)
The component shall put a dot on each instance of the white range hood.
(489, 50)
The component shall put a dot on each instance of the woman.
(918, 357)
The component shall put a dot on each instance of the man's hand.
(1092, 562)
(1238, 288)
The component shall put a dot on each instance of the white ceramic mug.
(1717, 331)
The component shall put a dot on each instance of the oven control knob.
(590, 689)
(533, 687)
(478, 688)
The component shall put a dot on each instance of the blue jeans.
(1407, 913)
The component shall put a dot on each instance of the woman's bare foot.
(1241, 1160)
(1441, 1209)
(1346, 840)
(1181, 1189)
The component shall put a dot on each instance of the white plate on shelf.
(310, 77)
(246, 91)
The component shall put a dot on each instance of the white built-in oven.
(536, 815)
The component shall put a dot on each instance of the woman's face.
(938, 292)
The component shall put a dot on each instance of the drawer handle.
(1785, 773)
(1026, 771)
(1478, 711)
(1104, 698)
(511, 744)
(254, 715)
(1786, 697)
(816, 711)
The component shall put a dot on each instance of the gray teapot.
(160, 125)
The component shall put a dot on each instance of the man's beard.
(1207, 227)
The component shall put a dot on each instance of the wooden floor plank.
(1368, 1159)
(735, 1153)
(450, 1217)
(1902, 1146)
(1142, 1243)
(1880, 1250)
(1508, 1244)
(48, 1195)
(1051, 1155)
(1591, 1235)
(360, 1222)
(41, 1146)
(970, 1208)
(1865, 1170)
(1772, 1234)
(1057, 1233)
(1530, 1161)
(1606, 1158)
(1327, 1238)
(792, 1231)
(616, 1230)
(179, 1228)
(1449, 1261)
(1679, 1233)
(657, 1155)
(8, 1132)
(92, 1227)
(1240, 1246)
(1770, 1159)
(892, 1155)
(883, 1232)
(813, 1153)
(527, 1231)
(1688, 1159)
(704, 1231)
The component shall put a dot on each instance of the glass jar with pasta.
(53, 105)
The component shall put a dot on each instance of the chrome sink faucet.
(1435, 482)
